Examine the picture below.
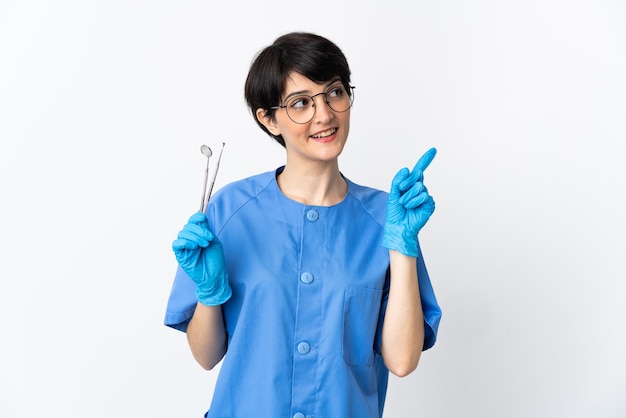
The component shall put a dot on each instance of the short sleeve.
(182, 302)
(430, 307)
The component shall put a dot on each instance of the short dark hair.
(311, 55)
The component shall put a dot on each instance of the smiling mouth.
(324, 134)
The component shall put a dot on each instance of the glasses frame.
(349, 90)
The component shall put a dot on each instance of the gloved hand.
(408, 208)
(201, 256)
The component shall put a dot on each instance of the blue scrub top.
(310, 286)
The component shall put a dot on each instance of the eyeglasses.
(301, 108)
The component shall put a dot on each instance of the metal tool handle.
(217, 166)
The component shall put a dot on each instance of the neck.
(321, 185)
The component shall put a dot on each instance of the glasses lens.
(338, 98)
(300, 109)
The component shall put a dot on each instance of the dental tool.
(206, 151)
(206, 196)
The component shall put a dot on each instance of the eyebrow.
(307, 92)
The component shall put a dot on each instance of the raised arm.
(408, 210)
(200, 254)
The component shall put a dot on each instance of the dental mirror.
(217, 166)
(206, 151)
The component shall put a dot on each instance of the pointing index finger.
(425, 160)
(418, 171)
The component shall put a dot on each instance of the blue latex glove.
(201, 256)
(409, 207)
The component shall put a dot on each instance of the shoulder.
(373, 201)
(245, 188)
(229, 199)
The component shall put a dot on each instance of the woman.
(310, 287)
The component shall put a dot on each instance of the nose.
(323, 112)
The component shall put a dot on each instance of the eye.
(300, 102)
(336, 91)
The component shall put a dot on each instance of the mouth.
(325, 135)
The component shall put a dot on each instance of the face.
(322, 138)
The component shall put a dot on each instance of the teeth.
(325, 133)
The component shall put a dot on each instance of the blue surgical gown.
(310, 286)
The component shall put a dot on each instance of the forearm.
(403, 326)
(206, 335)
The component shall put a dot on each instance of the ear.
(266, 120)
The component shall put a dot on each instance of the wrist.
(215, 297)
(397, 238)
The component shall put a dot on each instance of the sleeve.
(378, 339)
(182, 302)
(430, 307)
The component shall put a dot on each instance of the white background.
(103, 108)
